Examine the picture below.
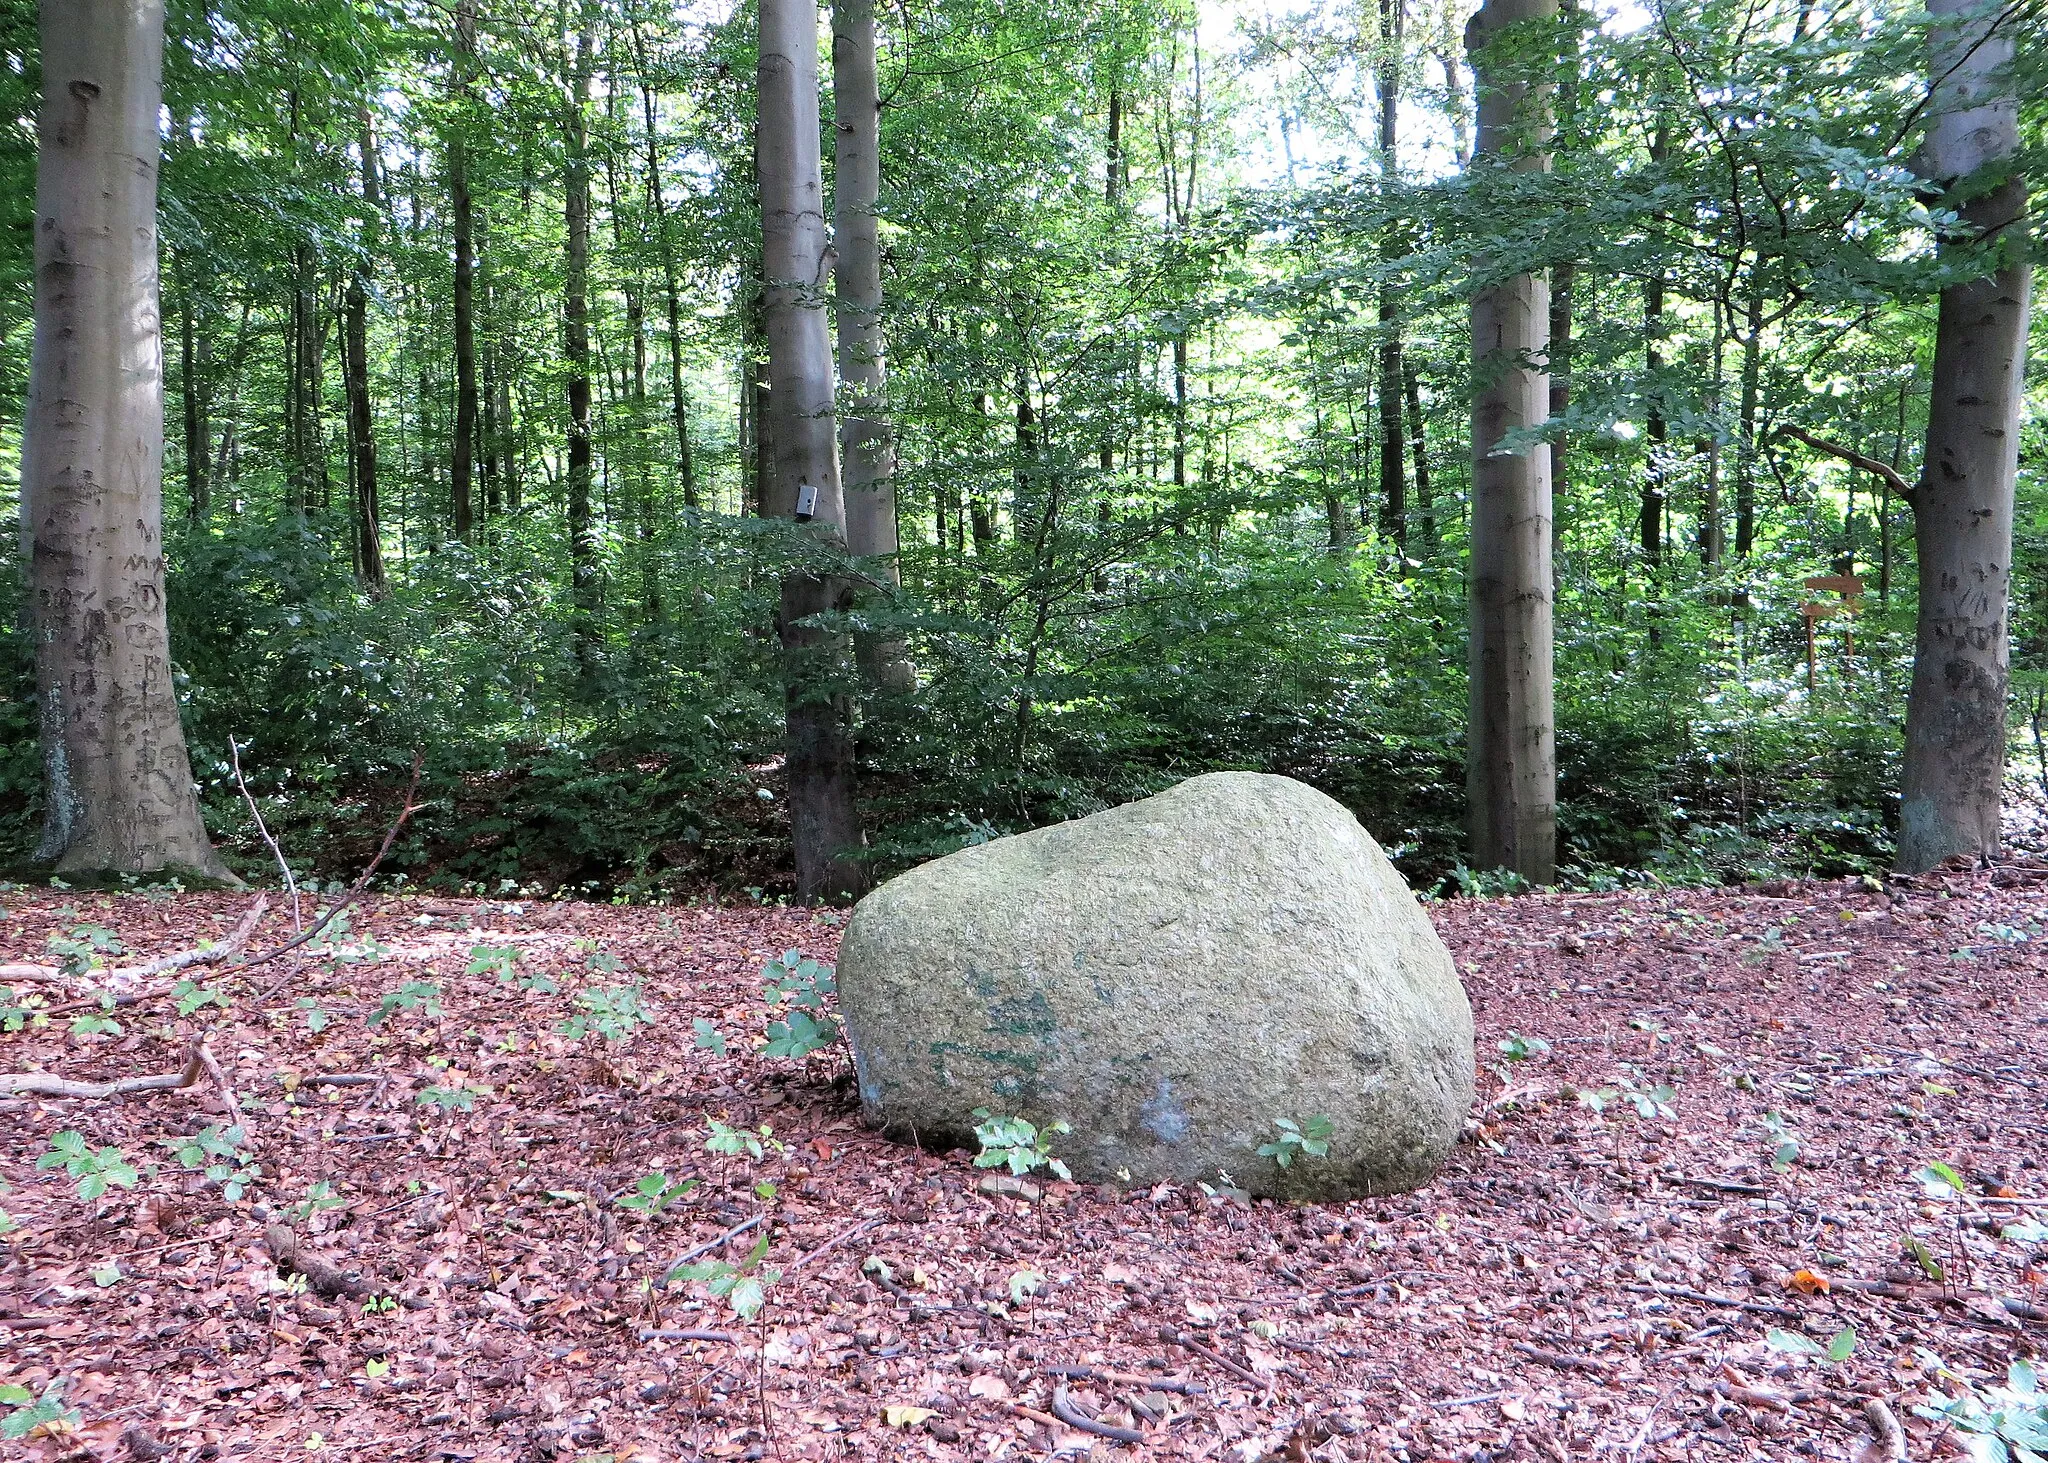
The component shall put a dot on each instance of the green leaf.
(1844, 1343)
(1792, 1343)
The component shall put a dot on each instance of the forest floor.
(1603, 1269)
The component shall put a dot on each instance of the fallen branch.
(291, 884)
(349, 898)
(1064, 1409)
(48, 1084)
(663, 1333)
(1181, 1338)
(843, 1237)
(323, 1276)
(1752, 1396)
(1126, 1379)
(1701, 1297)
(125, 977)
(1563, 1360)
(1890, 1436)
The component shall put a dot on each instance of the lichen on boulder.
(1171, 977)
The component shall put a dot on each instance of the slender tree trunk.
(356, 365)
(1745, 429)
(1655, 490)
(1425, 503)
(1511, 766)
(867, 445)
(1393, 451)
(198, 446)
(463, 444)
(657, 198)
(576, 320)
(118, 792)
(1963, 507)
(824, 821)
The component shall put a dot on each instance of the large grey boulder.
(1170, 977)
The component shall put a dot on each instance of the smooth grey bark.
(369, 534)
(462, 455)
(576, 333)
(118, 783)
(1511, 754)
(867, 445)
(1963, 506)
(796, 427)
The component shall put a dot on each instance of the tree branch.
(1854, 458)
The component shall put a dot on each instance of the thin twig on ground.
(291, 884)
(47, 1084)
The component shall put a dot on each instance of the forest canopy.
(474, 447)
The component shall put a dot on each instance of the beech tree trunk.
(117, 781)
(679, 404)
(356, 365)
(1963, 507)
(798, 431)
(1511, 755)
(1393, 466)
(1425, 504)
(868, 448)
(462, 453)
(576, 322)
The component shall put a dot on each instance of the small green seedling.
(733, 1141)
(97, 1023)
(95, 1169)
(414, 995)
(1784, 1142)
(1519, 1048)
(193, 997)
(744, 1286)
(30, 1415)
(84, 948)
(1795, 1343)
(380, 1305)
(502, 961)
(217, 1152)
(317, 1019)
(611, 1014)
(795, 989)
(1023, 1285)
(1015, 1144)
(449, 1099)
(654, 1193)
(709, 1037)
(320, 1196)
(1309, 1138)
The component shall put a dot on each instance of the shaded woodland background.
(1176, 310)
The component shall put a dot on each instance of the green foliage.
(446, 1099)
(1519, 1048)
(29, 1415)
(744, 1286)
(193, 997)
(1783, 1141)
(612, 1014)
(708, 1037)
(97, 1023)
(654, 1192)
(84, 948)
(730, 1141)
(217, 1152)
(319, 1197)
(797, 988)
(2007, 1424)
(20, 1009)
(423, 996)
(95, 1169)
(317, 1019)
(1015, 1144)
(1795, 1343)
(1309, 1138)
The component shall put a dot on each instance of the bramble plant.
(95, 1169)
(502, 962)
(733, 1141)
(19, 1009)
(449, 1099)
(1309, 1138)
(84, 948)
(320, 1196)
(30, 1415)
(1795, 1343)
(1648, 1102)
(97, 1023)
(2006, 1424)
(193, 997)
(414, 995)
(654, 1193)
(744, 1286)
(1784, 1142)
(1016, 1144)
(217, 1152)
(1519, 1048)
(795, 989)
(611, 1014)
(709, 1037)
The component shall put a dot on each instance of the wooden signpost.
(1850, 588)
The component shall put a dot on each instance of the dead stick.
(45, 1084)
(1180, 1338)
(1072, 1416)
(844, 1237)
(711, 1244)
(347, 899)
(1563, 1360)
(1126, 1379)
(291, 884)
(1890, 1435)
